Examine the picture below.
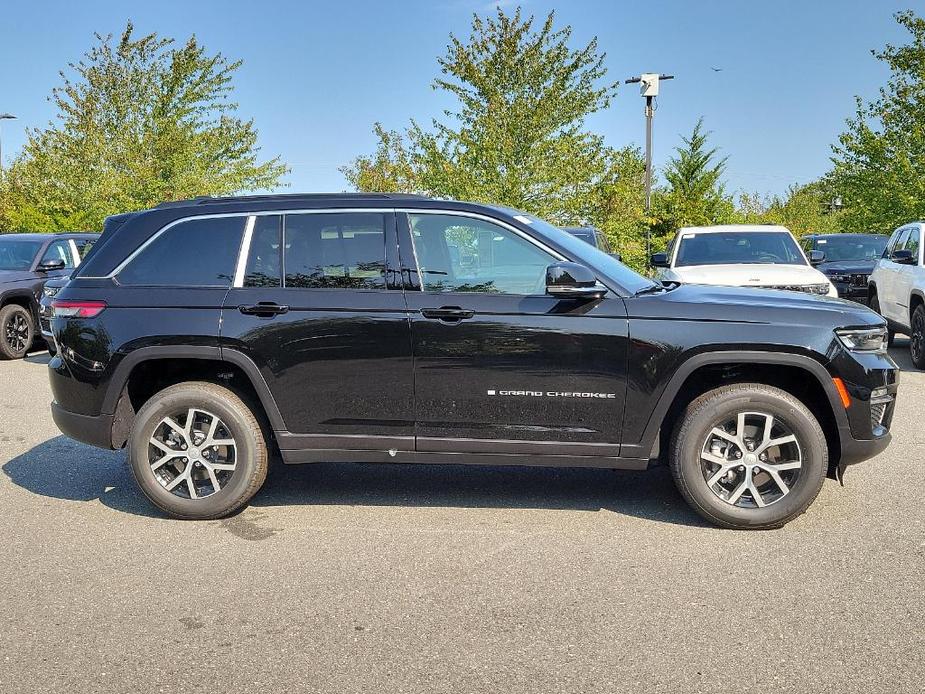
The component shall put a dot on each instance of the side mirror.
(615, 256)
(659, 260)
(50, 265)
(903, 257)
(572, 281)
(816, 257)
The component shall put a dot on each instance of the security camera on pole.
(649, 82)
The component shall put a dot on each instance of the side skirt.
(293, 457)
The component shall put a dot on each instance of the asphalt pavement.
(400, 578)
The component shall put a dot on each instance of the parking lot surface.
(343, 578)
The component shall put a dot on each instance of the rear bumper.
(94, 430)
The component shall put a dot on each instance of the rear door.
(905, 276)
(500, 366)
(317, 305)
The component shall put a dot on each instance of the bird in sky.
(716, 69)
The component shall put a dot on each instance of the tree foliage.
(879, 161)
(517, 135)
(141, 120)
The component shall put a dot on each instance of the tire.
(917, 337)
(702, 418)
(196, 476)
(17, 331)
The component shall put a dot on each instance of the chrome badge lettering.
(551, 394)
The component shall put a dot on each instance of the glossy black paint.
(850, 277)
(397, 373)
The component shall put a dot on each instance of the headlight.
(863, 339)
(49, 291)
(821, 289)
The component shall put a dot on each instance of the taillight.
(78, 309)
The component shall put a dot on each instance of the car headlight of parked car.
(49, 292)
(864, 339)
(821, 289)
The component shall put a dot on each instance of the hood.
(769, 306)
(847, 267)
(10, 276)
(748, 275)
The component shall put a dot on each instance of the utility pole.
(649, 82)
(4, 116)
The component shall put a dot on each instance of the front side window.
(464, 254)
(912, 243)
(728, 248)
(59, 250)
(335, 251)
(896, 243)
(16, 254)
(193, 253)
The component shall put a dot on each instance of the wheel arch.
(148, 370)
(916, 299)
(789, 372)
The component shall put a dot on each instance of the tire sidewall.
(179, 399)
(6, 314)
(918, 317)
(809, 437)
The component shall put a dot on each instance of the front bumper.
(95, 430)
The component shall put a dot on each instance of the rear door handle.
(264, 308)
(448, 314)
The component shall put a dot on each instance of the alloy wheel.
(917, 338)
(192, 454)
(16, 333)
(751, 459)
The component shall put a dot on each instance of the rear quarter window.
(192, 253)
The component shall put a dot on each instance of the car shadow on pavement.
(64, 469)
(900, 354)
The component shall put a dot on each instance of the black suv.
(205, 336)
(848, 260)
(26, 262)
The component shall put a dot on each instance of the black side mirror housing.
(816, 257)
(659, 260)
(572, 281)
(50, 265)
(903, 257)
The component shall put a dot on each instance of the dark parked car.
(591, 235)
(849, 260)
(26, 262)
(49, 291)
(371, 328)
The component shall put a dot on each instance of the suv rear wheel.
(197, 451)
(16, 331)
(748, 456)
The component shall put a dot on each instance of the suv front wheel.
(16, 331)
(748, 456)
(197, 451)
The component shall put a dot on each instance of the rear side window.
(335, 251)
(264, 260)
(83, 247)
(193, 253)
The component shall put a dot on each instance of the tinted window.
(335, 251)
(195, 253)
(264, 261)
(724, 248)
(897, 240)
(912, 242)
(851, 247)
(59, 250)
(603, 243)
(463, 254)
(83, 246)
(16, 254)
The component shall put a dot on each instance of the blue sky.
(316, 75)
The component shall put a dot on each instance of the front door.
(500, 366)
(315, 307)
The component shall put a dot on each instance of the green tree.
(804, 210)
(517, 135)
(141, 120)
(694, 194)
(879, 161)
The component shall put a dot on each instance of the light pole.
(649, 82)
(4, 116)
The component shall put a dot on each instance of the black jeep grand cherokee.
(205, 335)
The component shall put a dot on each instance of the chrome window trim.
(222, 215)
(243, 252)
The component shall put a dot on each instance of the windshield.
(735, 247)
(851, 247)
(17, 254)
(613, 268)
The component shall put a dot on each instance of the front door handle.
(264, 308)
(448, 314)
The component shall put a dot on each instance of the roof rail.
(208, 199)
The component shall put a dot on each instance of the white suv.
(897, 288)
(762, 256)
